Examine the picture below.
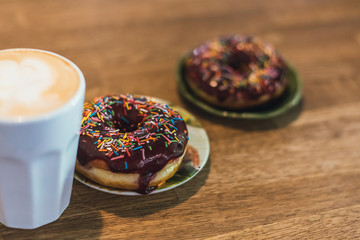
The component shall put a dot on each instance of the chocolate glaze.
(222, 68)
(137, 126)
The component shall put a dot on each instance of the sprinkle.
(116, 147)
(100, 144)
(85, 118)
(126, 166)
(118, 157)
(125, 120)
(166, 138)
(143, 154)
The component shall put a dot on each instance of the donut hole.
(126, 125)
(127, 120)
(240, 61)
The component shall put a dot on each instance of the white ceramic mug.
(38, 154)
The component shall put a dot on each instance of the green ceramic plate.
(290, 98)
(193, 162)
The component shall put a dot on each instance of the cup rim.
(57, 111)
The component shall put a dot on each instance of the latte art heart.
(26, 83)
(34, 82)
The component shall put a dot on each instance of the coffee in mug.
(34, 82)
(41, 102)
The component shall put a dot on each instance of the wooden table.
(293, 177)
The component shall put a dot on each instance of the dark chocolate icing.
(132, 135)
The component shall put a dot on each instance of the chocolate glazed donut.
(130, 142)
(235, 72)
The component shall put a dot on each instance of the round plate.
(195, 158)
(290, 98)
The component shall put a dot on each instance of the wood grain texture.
(293, 177)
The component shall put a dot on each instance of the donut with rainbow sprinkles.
(130, 142)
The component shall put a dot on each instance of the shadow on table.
(77, 220)
(249, 124)
(139, 206)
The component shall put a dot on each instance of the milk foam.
(32, 83)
